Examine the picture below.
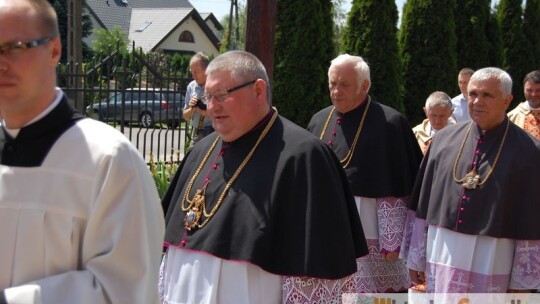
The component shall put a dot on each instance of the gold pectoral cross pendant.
(471, 180)
(191, 220)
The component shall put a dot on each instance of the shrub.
(163, 172)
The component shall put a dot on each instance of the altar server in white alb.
(80, 214)
(476, 200)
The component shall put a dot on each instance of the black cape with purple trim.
(387, 155)
(506, 206)
(290, 211)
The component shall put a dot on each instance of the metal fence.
(138, 94)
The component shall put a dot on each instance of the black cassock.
(290, 211)
(386, 157)
(505, 206)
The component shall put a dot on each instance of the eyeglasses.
(10, 50)
(222, 94)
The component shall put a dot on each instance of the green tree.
(108, 41)
(471, 18)
(515, 59)
(230, 39)
(427, 41)
(60, 6)
(372, 33)
(304, 48)
(340, 19)
(493, 33)
(180, 63)
(531, 30)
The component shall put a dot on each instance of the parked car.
(146, 107)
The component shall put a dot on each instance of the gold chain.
(471, 180)
(198, 201)
(347, 159)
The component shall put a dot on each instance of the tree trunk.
(260, 31)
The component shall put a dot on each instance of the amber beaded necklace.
(196, 206)
(471, 180)
(347, 159)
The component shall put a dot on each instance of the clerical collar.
(14, 132)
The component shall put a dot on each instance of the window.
(143, 26)
(186, 36)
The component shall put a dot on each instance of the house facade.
(173, 26)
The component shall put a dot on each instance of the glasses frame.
(207, 97)
(7, 48)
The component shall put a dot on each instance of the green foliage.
(372, 33)
(340, 19)
(304, 48)
(515, 59)
(108, 40)
(493, 33)
(471, 17)
(163, 172)
(531, 30)
(180, 63)
(234, 39)
(427, 42)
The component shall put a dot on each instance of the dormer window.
(186, 36)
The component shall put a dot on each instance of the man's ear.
(507, 101)
(365, 87)
(260, 88)
(56, 51)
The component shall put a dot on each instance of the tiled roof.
(212, 18)
(158, 22)
(118, 12)
(150, 26)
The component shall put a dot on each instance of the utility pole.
(74, 31)
(233, 43)
(260, 31)
(74, 49)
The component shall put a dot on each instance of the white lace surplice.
(460, 263)
(383, 220)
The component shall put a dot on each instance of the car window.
(116, 98)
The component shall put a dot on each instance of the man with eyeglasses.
(80, 214)
(258, 205)
(195, 110)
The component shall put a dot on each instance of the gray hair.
(200, 58)
(466, 71)
(438, 99)
(360, 66)
(242, 66)
(505, 81)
